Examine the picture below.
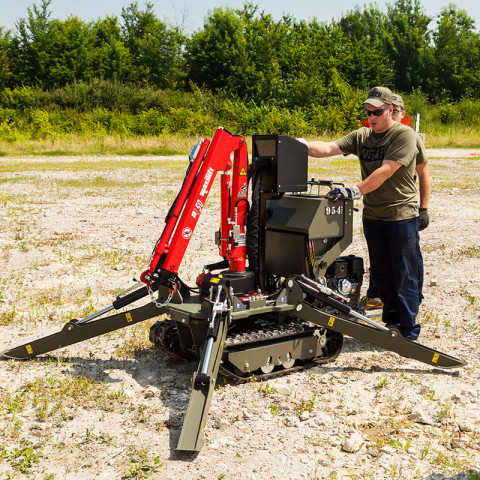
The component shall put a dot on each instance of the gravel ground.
(74, 231)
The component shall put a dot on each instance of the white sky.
(191, 13)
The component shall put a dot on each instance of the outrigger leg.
(76, 331)
(341, 318)
(191, 436)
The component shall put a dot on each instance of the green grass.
(437, 136)
(16, 166)
(91, 144)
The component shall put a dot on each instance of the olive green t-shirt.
(396, 199)
(422, 152)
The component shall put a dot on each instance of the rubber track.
(163, 333)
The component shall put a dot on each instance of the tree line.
(247, 54)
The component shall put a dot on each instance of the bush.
(102, 108)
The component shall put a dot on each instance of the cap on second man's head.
(398, 100)
(378, 96)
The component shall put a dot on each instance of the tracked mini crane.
(280, 299)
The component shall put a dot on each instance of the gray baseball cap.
(398, 100)
(378, 96)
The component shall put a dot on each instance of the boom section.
(226, 153)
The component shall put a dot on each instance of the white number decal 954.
(334, 210)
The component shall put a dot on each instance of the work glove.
(340, 193)
(302, 140)
(424, 218)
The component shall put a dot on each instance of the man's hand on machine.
(340, 193)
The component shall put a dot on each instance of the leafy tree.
(50, 52)
(217, 53)
(69, 52)
(110, 57)
(155, 48)
(362, 59)
(265, 70)
(243, 52)
(407, 43)
(5, 72)
(457, 56)
(31, 55)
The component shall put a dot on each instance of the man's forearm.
(424, 181)
(378, 177)
(323, 149)
(373, 181)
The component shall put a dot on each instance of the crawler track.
(262, 333)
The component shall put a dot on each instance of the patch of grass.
(87, 164)
(50, 396)
(8, 317)
(265, 389)
(21, 459)
(91, 437)
(141, 464)
(77, 144)
(431, 248)
(307, 405)
(58, 153)
(470, 252)
(160, 152)
(136, 342)
(97, 182)
(12, 180)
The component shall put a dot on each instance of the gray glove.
(340, 193)
(302, 140)
(424, 218)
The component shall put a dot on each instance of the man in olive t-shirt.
(423, 174)
(387, 154)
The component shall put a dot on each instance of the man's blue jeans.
(393, 249)
(372, 290)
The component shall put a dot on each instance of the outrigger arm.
(76, 331)
(343, 319)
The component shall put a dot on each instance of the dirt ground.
(75, 231)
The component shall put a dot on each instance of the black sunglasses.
(376, 112)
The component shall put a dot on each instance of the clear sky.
(191, 13)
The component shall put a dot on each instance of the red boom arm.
(170, 248)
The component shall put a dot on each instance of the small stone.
(388, 449)
(167, 379)
(221, 424)
(472, 393)
(353, 444)
(281, 458)
(465, 427)
(419, 416)
(304, 416)
(291, 422)
(472, 414)
(283, 389)
(458, 443)
(433, 282)
(323, 418)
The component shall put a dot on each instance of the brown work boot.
(373, 303)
